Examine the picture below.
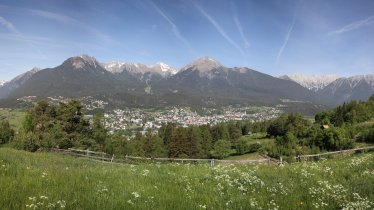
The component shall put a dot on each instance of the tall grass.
(53, 181)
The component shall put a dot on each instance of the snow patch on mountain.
(163, 67)
(140, 69)
(312, 82)
(114, 67)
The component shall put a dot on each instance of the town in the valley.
(141, 120)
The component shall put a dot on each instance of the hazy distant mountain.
(312, 82)
(351, 88)
(16, 82)
(203, 82)
(2, 82)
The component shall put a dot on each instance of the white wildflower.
(202, 206)
(135, 194)
(145, 172)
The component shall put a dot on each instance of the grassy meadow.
(53, 181)
(13, 115)
(255, 138)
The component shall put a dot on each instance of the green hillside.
(52, 181)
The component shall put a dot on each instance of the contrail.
(285, 40)
(9, 25)
(72, 21)
(174, 27)
(218, 28)
(353, 26)
(240, 29)
(239, 26)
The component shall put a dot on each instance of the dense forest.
(65, 126)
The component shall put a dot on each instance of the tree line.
(336, 129)
(64, 126)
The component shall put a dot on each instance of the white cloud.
(353, 26)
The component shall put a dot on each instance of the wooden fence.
(329, 154)
(101, 156)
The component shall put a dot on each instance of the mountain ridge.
(202, 82)
(359, 87)
(337, 89)
(312, 82)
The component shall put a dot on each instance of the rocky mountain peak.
(82, 61)
(203, 64)
(163, 68)
(25, 76)
(35, 69)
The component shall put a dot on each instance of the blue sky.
(275, 37)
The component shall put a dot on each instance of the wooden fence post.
(111, 160)
(211, 162)
(281, 160)
(87, 152)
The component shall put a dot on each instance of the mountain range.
(337, 90)
(312, 82)
(203, 82)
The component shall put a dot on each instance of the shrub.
(254, 147)
(6, 132)
(367, 136)
(221, 149)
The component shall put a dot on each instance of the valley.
(187, 105)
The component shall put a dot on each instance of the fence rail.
(101, 156)
(341, 152)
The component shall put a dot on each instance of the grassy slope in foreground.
(39, 180)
